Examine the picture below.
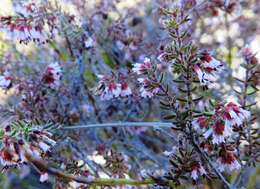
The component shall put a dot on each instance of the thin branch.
(43, 167)
(121, 124)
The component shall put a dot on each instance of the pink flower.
(234, 114)
(53, 75)
(200, 123)
(142, 68)
(197, 170)
(227, 161)
(125, 89)
(207, 69)
(147, 90)
(5, 80)
(108, 88)
(218, 131)
(210, 63)
(247, 53)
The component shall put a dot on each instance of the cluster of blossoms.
(207, 68)
(232, 6)
(149, 85)
(53, 75)
(29, 26)
(226, 118)
(15, 150)
(5, 80)
(108, 87)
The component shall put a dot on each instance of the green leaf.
(107, 59)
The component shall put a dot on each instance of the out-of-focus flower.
(53, 75)
(227, 161)
(147, 89)
(5, 80)
(143, 68)
(89, 43)
(44, 177)
(247, 53)
(197, 170)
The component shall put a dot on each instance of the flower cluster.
(225, 118)
(29, 26)
(53, 75)
(148, 85)
(5, 80)
(207, 68)
(16, 149)
(13, 151)
(109, 88)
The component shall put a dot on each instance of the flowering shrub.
(137, 97)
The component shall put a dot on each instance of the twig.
(121, 124)
(42, 166)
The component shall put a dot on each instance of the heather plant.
(99, 96)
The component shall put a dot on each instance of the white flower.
(125, 89)
(89, 43)
(44, 177)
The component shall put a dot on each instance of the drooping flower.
(143, 68)
(210, 63)
(147, 89)
(53, 75)
(200, 123)
(227, 161)
(197, 170)
(204, 77)
(207, 68)
(218, 131)
(234, 114)
(125, 89)
(5, 80)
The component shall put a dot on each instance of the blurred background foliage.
(123, 32)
